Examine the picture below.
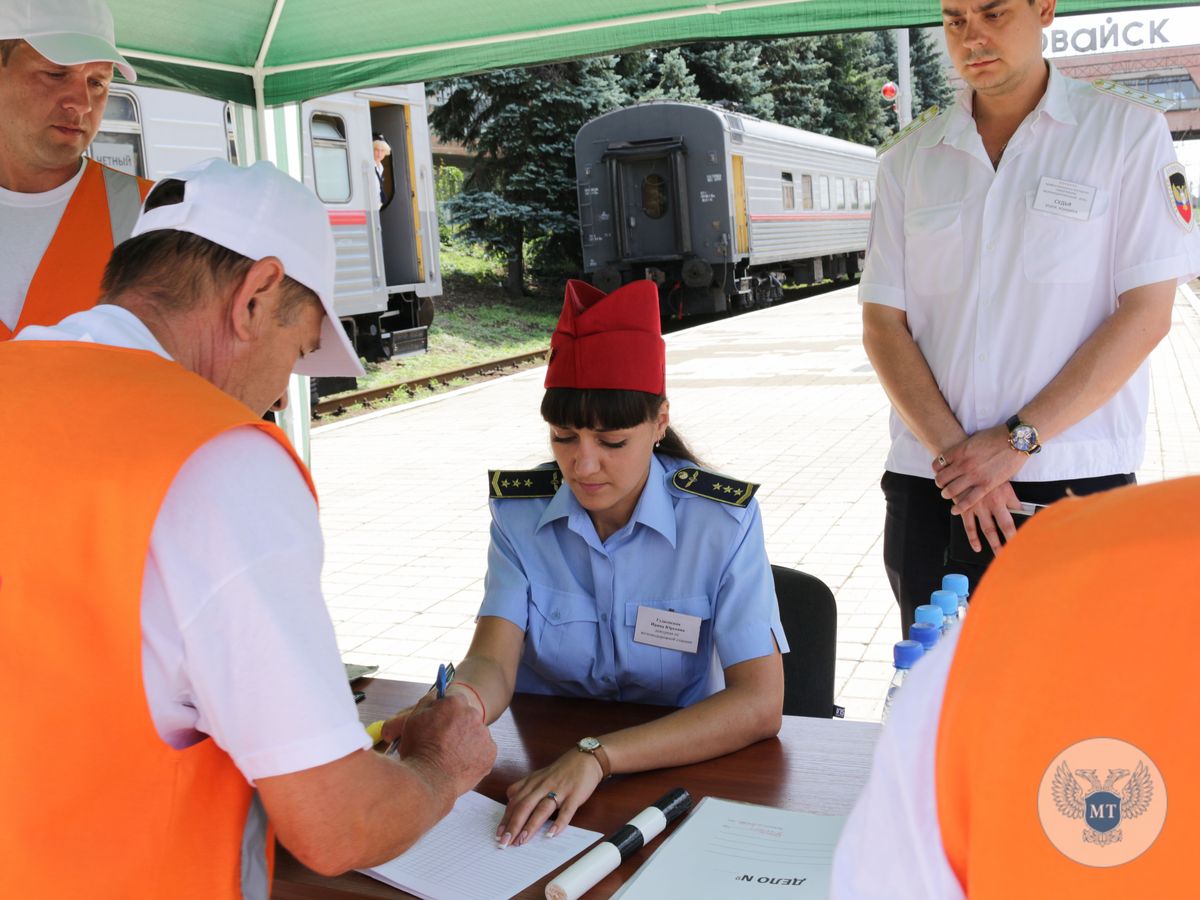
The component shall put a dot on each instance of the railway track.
(344, 401)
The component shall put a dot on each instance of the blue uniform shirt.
(577, 597)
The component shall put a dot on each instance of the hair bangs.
(598, 409)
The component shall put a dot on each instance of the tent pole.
(295, 419)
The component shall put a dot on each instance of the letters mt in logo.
(1122, 811)
(1101, 808)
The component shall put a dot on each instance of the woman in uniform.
(622, 572)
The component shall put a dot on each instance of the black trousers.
(922, 541)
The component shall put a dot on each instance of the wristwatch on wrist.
(1022, 436)
(596, 749)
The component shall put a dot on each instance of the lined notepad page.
(459, 858)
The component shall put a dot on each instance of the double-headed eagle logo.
(1098, 804)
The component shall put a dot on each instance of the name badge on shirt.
(667, 629)
(1065, 198)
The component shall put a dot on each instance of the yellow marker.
(375, 730)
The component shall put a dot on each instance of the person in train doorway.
(60, 213)
(621, 571)
(1022, 264)
(166, 568)
(381, 150)
(1012, 765)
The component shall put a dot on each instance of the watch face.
(588, 744)
(1024, 437)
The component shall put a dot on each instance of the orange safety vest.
(93, 803)
(100, 214)
(1084, 628)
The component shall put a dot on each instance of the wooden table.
(815, 765)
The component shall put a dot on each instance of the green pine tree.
(855, 111)
(674, 81)
(521, 124)
(731, 73)
(930, 87)
(798, 79)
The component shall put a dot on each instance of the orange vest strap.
(103, 207)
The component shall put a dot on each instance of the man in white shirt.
(60, 214)
(229, 275)
(1022, 265)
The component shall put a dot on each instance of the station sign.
(1150, 29)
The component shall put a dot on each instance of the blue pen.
(441, 680)
(444, 676)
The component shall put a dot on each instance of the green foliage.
(731, 72)
(854, 111)
(799, 81)
(930, 86)
(447, 184)
(674, 81)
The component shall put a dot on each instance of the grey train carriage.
(720, 209)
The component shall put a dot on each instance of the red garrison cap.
(609, 341)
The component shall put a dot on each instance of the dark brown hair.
(178, 269)
(603, 409)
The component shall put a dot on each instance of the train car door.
(650, 200)
(741, 230)
(399, 217)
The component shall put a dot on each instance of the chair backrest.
(808, 612)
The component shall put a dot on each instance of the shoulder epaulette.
(919, 122)
(694, 480)
(524, 484)
(1132, 94)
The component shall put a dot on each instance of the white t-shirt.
(27, 225)
(236, 639)
(998, 292)
(891, 847)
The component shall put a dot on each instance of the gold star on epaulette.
(694, 480)
(919, 122)
(524, 484)
(1162, 104)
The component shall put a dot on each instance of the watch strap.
(1012, 423)
(600, 755)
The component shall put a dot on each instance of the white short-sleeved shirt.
(236, 639)
(891, 847)
(998, 293)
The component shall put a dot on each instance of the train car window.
(866, 194)
(654, 196)
(823, 192)
(839, 188)
(118, 144)
(806, 194)
(853, 194)
(789, 191)
(331, 158)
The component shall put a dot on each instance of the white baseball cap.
(258, 211)
(67, 32)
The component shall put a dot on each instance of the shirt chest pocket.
(1058, 249)
(668, 672)
(933, 249)
(562, 640)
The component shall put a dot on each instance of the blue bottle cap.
(947, 601)
(905, 653)
(957, 583)
(924, 634)
(931, 614)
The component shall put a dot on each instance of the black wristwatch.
(1022, 436)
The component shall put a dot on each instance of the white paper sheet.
(459, 859)
(731, 850)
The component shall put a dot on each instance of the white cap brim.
(336, 356)
(74, 49)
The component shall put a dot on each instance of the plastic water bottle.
(959, 584)
(924, 634)
(932, 615)
(905, 653)
(947, 601)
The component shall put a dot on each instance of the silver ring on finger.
(942, 461)
(552, 796)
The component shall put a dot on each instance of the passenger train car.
(719, 208)
(388, 266)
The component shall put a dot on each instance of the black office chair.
(809, 616)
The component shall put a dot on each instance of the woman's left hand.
(572, 778)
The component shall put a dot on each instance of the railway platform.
(784, 397)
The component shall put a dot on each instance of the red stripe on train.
(348, 218)
(802, 217)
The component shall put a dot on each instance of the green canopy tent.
(265, 53)
(268, 52)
